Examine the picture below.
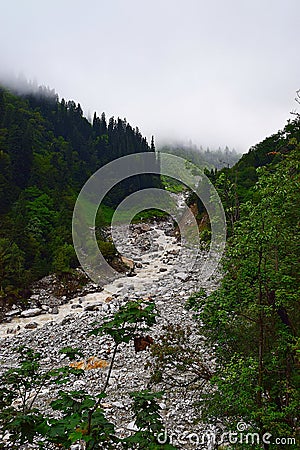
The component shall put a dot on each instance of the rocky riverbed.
(158, 274)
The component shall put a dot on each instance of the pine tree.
(152, 144)
(103, 128)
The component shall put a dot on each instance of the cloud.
(219, 73)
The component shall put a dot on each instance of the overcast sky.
(218, 72)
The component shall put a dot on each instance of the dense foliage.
(48, 149)
(236, 185)
(254, 318)
(268, 152)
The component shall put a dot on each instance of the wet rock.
(93, 306)
(31, 326)
(131, 274)
(128, 262)
(13, 313)
(31, 312)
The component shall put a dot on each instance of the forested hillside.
(237, 184)
(48, 149)
(268, 152)
(251, 322)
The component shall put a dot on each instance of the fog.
(217, 73)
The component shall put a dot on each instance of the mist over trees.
(48, 150)
(209, 158)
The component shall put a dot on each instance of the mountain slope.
(48, 149)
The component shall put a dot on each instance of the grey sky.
(218, 72)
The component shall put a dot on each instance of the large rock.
(93, 306)
(127, 262)
(76, 305)
(31, 312)
(12, 313)
(132, 426)
(31, 326)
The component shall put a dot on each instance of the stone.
(132, 426)
(31, 312)
(13, 313)
(127, 262)
(106, 405)
(31, 325)
(79, 384)
(131, 274)
(118, 404)
(182, 276)
(93, 306)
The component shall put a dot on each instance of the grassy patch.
(172, 185)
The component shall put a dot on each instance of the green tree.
(64, 258)
(11, 265)
(252, 321)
